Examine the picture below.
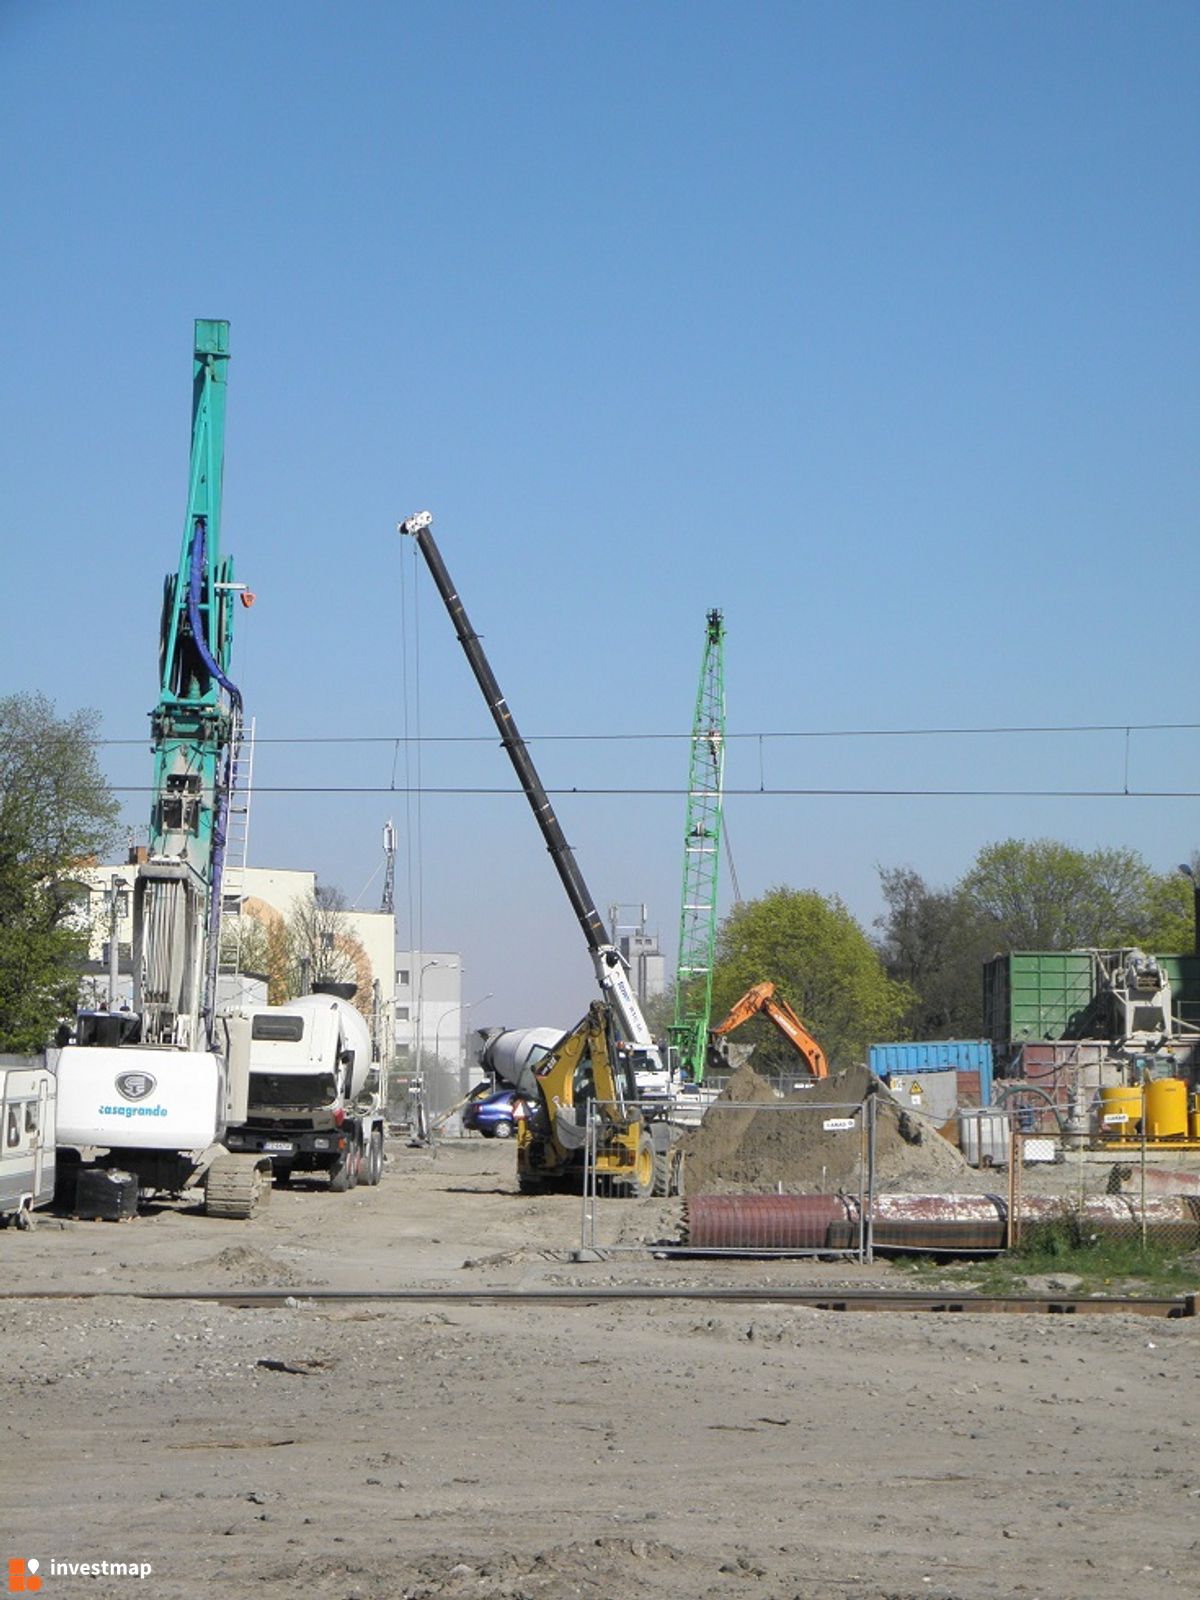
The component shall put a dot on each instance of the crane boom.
(606, 959)
(701, 846)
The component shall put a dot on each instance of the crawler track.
(816, 1299)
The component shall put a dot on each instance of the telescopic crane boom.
(606, 958)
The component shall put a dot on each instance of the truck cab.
(316, 1099)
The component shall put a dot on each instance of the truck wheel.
(343, 1175)
(283, 1176)
(373, 1162)
(641, 1184)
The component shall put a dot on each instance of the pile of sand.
(746, 1151)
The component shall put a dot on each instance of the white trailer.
(28, 1100)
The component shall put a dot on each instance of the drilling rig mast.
(701, 844)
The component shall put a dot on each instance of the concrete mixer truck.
(316, 1100)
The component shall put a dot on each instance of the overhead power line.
(403, 739)
(766, 792)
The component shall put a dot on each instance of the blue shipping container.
(936, 1055)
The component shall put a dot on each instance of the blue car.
(493, 1112)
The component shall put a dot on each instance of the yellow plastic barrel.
(1120, 1100)
(1166, 1109)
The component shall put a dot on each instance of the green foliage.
(935, 941)
(1041, 894)
(1170, 915)
(820, 961)
(1104, 1264)
(56, 815)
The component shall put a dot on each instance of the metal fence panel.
(763, 1177)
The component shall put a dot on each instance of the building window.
(401, 1013)
(402, 977)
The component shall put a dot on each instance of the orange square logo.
(22, 1576)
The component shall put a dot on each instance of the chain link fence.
(793, 1175)
(734, 1166)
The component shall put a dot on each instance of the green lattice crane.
(701, 846)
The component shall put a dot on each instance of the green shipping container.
(1184, 975)
(1035, 994)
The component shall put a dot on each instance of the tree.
(1041, 894)
(56, 815)
(322, 949)
(821, 961)
(934, 941)
(1170, 915)
(314, 945)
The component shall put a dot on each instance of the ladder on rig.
(233, 880)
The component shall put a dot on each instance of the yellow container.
(1194, 1118)
(1166, 1109)
(1120, 1100)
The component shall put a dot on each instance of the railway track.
(912, 1300)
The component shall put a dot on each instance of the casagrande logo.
(25, 1573)
(135, 1085)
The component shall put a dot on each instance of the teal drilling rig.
(152, 1092)
(701, 844)
(196, 735)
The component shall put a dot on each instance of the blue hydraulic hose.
(195, 580)
(224, 790)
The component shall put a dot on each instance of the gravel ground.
(645, 1450)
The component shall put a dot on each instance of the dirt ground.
(657, 1451)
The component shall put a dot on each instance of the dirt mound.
(748, 1151)
(595, 1567)
(249, 1267)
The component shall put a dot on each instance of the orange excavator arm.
(762, 998)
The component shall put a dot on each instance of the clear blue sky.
(874, 325)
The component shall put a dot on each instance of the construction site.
(631, 1315)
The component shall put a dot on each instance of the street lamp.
(460, 1007)
(422, 1103)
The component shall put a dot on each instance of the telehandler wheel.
(662, 1173)
(641, 1185)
